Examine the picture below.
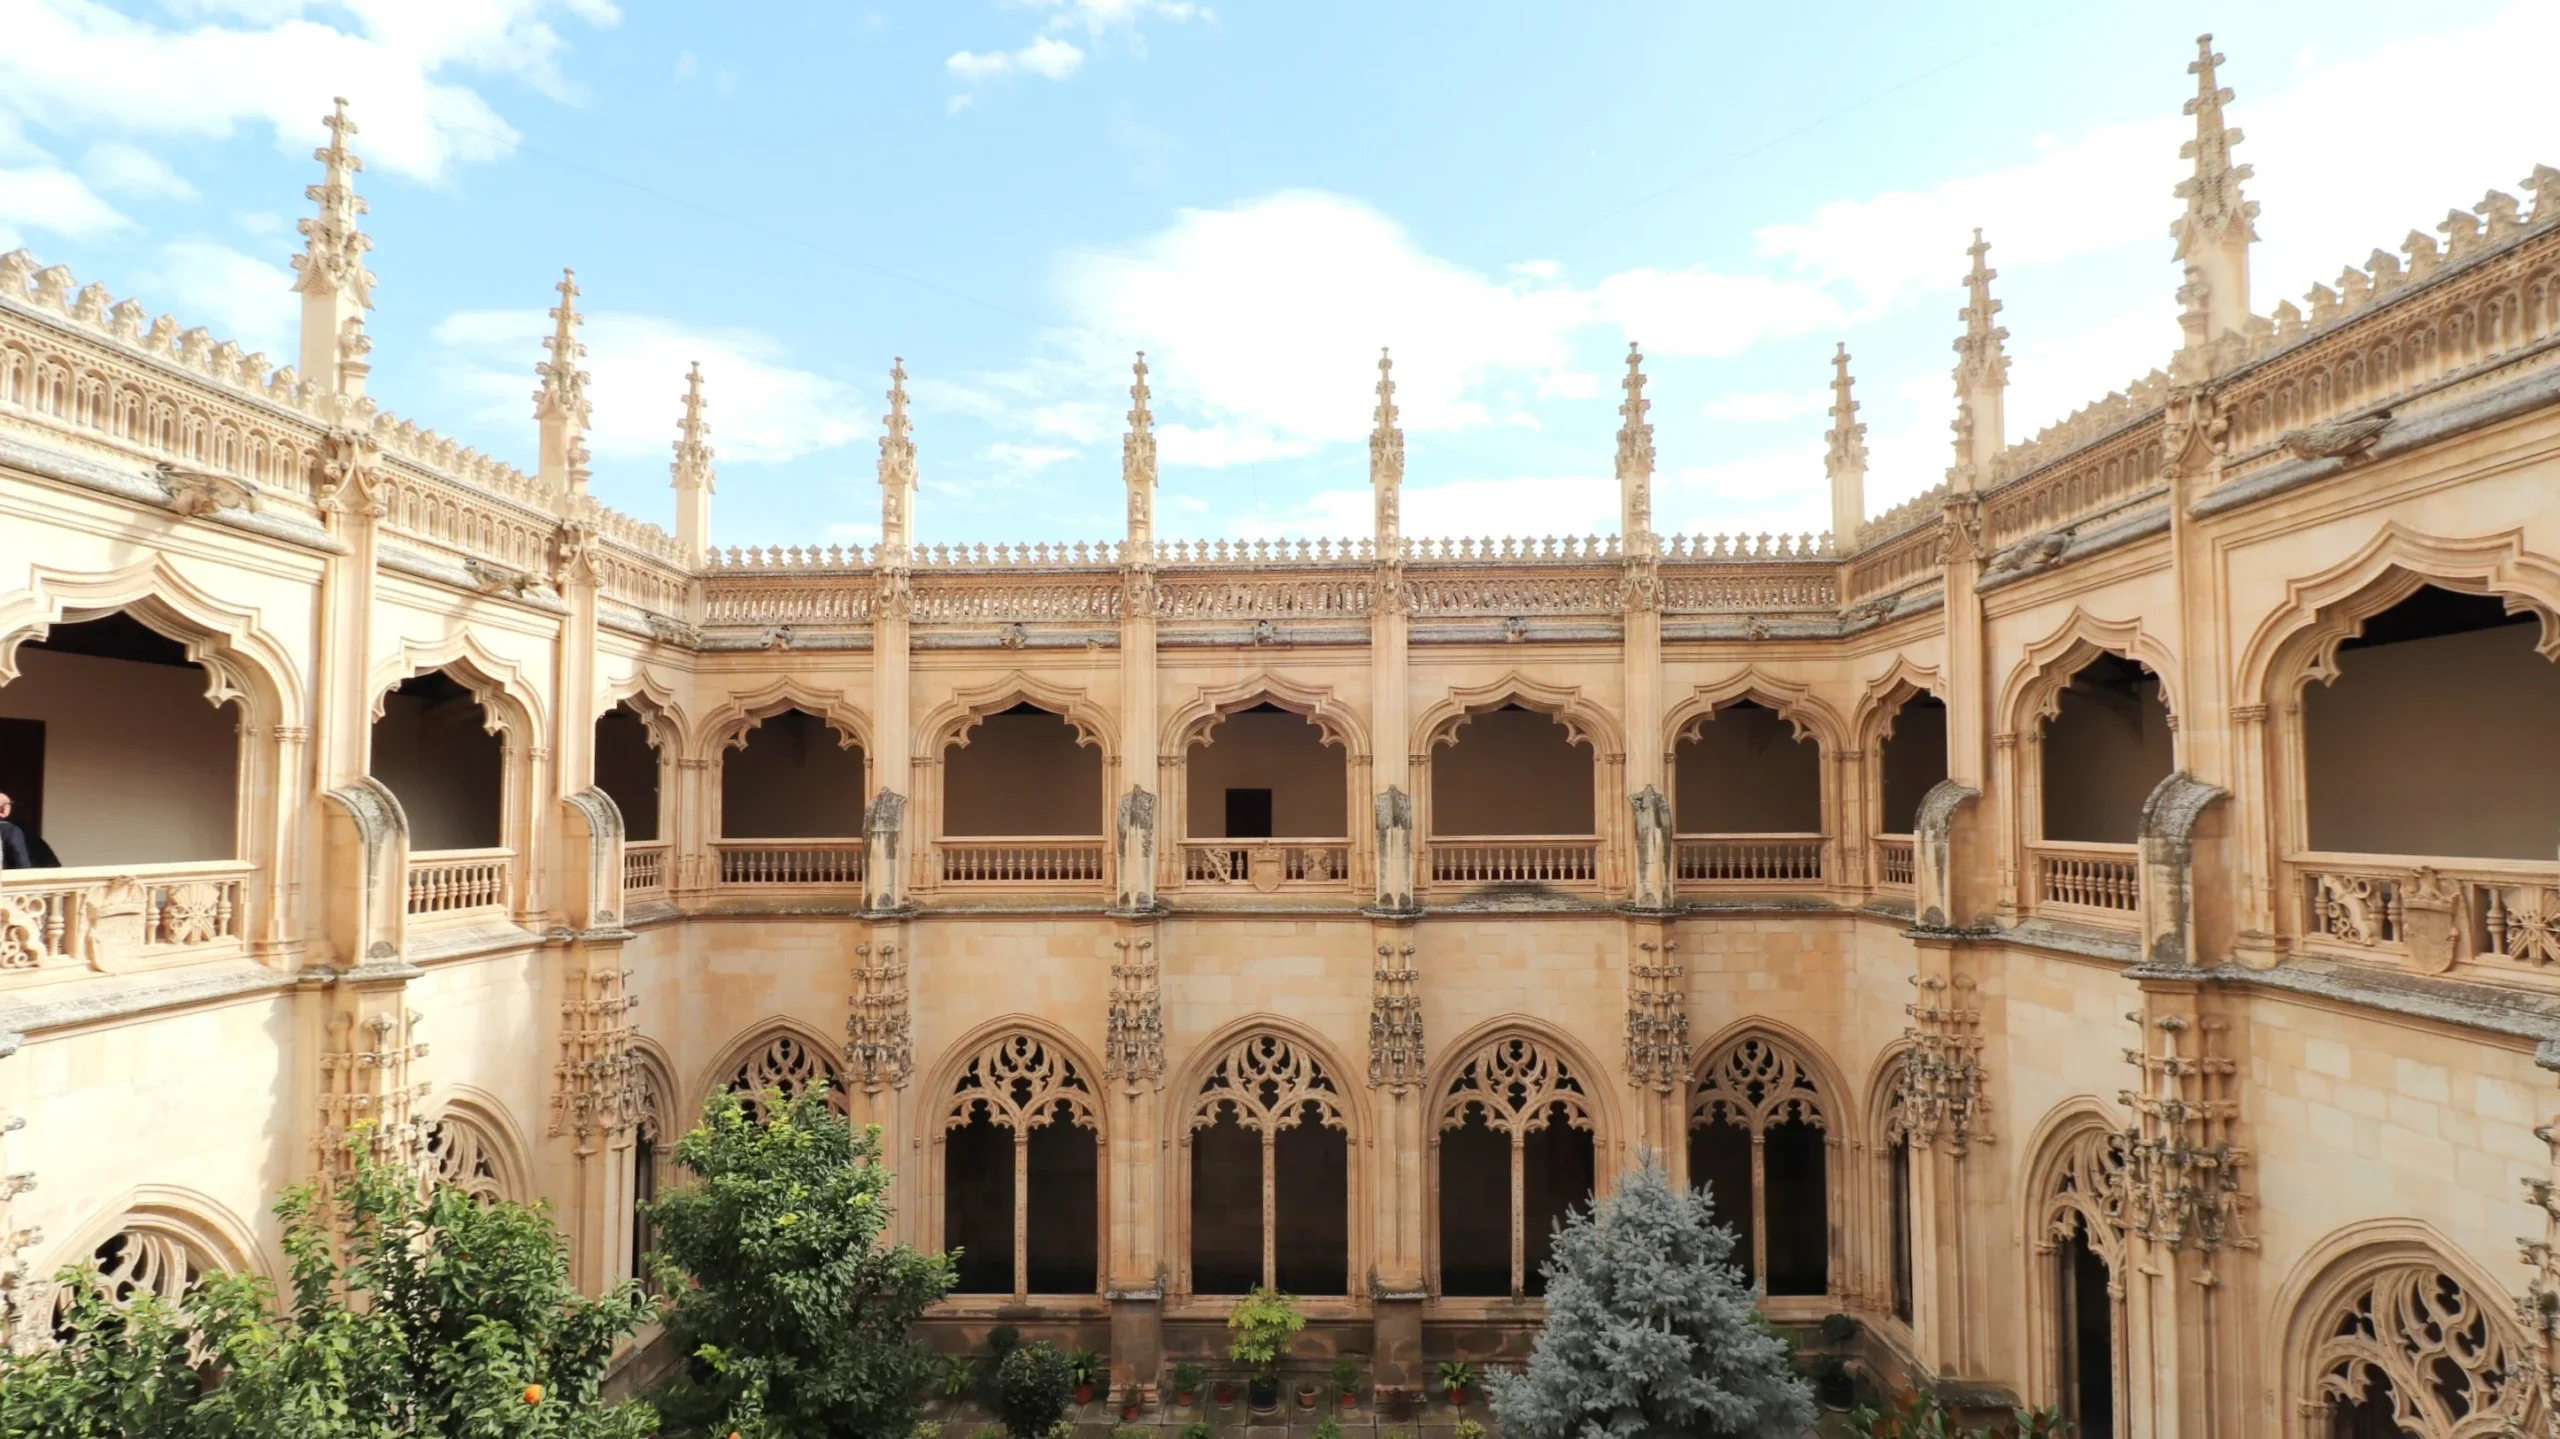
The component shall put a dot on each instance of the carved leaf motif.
(788, 1064)
(194, 914)
(1515, 1086)
(1755, 1083)
(461, 1155)
(1267, 1084)
(1020, 1083)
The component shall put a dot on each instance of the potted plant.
(1086, 1366)
(1346, 1381)
(1467, 1429)
(1832, 1387)
(1186, 1384)
(1131, 1401)
(1196, 1429)
(1226, 1392)
(1034, 1385)
(1454, 1377)
(956, 1374)
(1308, 1390)
(1263, 1323)
(1328, 1428)
(1839, 1331)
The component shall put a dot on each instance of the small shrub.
(1455, 1375)
(927, 1429)
(1132, 1431)
(987, 1431)
(1469, 1429)
(1328, 1428)
(1034, 1385)
(1346, 1376)
(1003, 1340)
(957, 1371)
(1263, 1323)
(1063, 1429)
(1186, 1378)
(1086, 1365)
(1839, 1330)
(1195, 1430)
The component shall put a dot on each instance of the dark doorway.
(1226, 1208)
(1798, 1194)
(977, 1204)
(2089, 1337)
(1720, 1162)
(1900, 1179)
(1248, 814)
(22, 772)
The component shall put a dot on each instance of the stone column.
(595, 1087)
(879, 1053)
(1399, 1065)
(1658, 1053)
(1133, 1071)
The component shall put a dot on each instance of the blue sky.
(1015, 194)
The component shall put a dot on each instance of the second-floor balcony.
(1022, 862)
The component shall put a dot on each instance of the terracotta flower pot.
(1350, 1399)
(1307, 1396)
(1458, 1397)
(1084, 1394)
(1226, 1394)
(1188, 1397)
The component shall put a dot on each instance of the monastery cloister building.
(2098, 923)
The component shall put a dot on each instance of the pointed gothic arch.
(1267, 1120)
(776, 1053)
(2075, 1225)
(725, 725)
(158, 1239)
(1195, 720)
(1586, 722)
(1016, 1117)
(1785, 787)
(2390, 1315)
(1517, 1110)
(656, 1124)
(1767, 1119)
(472, 1145)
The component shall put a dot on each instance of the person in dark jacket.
(14, 853)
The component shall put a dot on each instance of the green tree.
(798, 1320)
(1650, 1331)
(407, 1316)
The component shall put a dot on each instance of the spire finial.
(1386, 461)
(1846, 459)
(330, 274)
(1635, 433)
(1138, 464)
(1982, 375)
(560, 403)
(897, 468)
(2215, 232)
(693, 435)
(1848, 437)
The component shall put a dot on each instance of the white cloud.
(124, 169)
(236, 296)
(1699, 312)
(1780, 491)
(79, 63)
(762, 408)
(47, 197)
(2111, 186)
(1764, 406)
(1095, 17)
(1472, 508)
(260, 222)
(1047, 57)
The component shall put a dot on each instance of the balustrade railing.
(454, 880)
(2103, 878)
(1266, 864)
(1748, 858)
(2431, 912)
(644, 866)
(789, 861)
(1526, 859)
(1893, 860)
(1020, 861)
(104, 916)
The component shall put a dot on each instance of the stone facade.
(2293, 1104)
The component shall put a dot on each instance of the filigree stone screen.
(2412, 1337)
(1022, 1084)
(1264, 1091)
(1508, 1092)
(787, 1063)
(462, 1154)
(1752, 1097)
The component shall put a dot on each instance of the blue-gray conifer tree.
(1650, 1333)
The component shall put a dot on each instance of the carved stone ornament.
(195, 493)
(349, 479)
(492, 579)
(1657, 1019)
(2183, 1171)
(1939, 1087)
(1396, 1055)
(1133, 1050)
(878, 1046)
(2337, 439)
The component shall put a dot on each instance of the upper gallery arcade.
(1196, 915)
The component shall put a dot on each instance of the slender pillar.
(890, 868)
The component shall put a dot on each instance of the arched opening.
(792, 776)
(1270, 1173)
(1898, 1220)
(109, 753)
(1910, 761)
(627, 769)
(463, 1153)
(2406, 1350)
(1747, 797)
(149, 1254)
(784, 1064)
(1023, 771)
(436, 747)
(2106, 749)
(1759, 1140)
(1511, 801)
(2084, 1307)
(1021, 802)
(2434, 737)
(652, 1156)
(1022, 1178)
(1261, 774)
(1516, 1153)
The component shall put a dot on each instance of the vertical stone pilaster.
(1133, 1069)
(595, 1085)
(1399, 1068)
(1658, 1053)
(26, 1301)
